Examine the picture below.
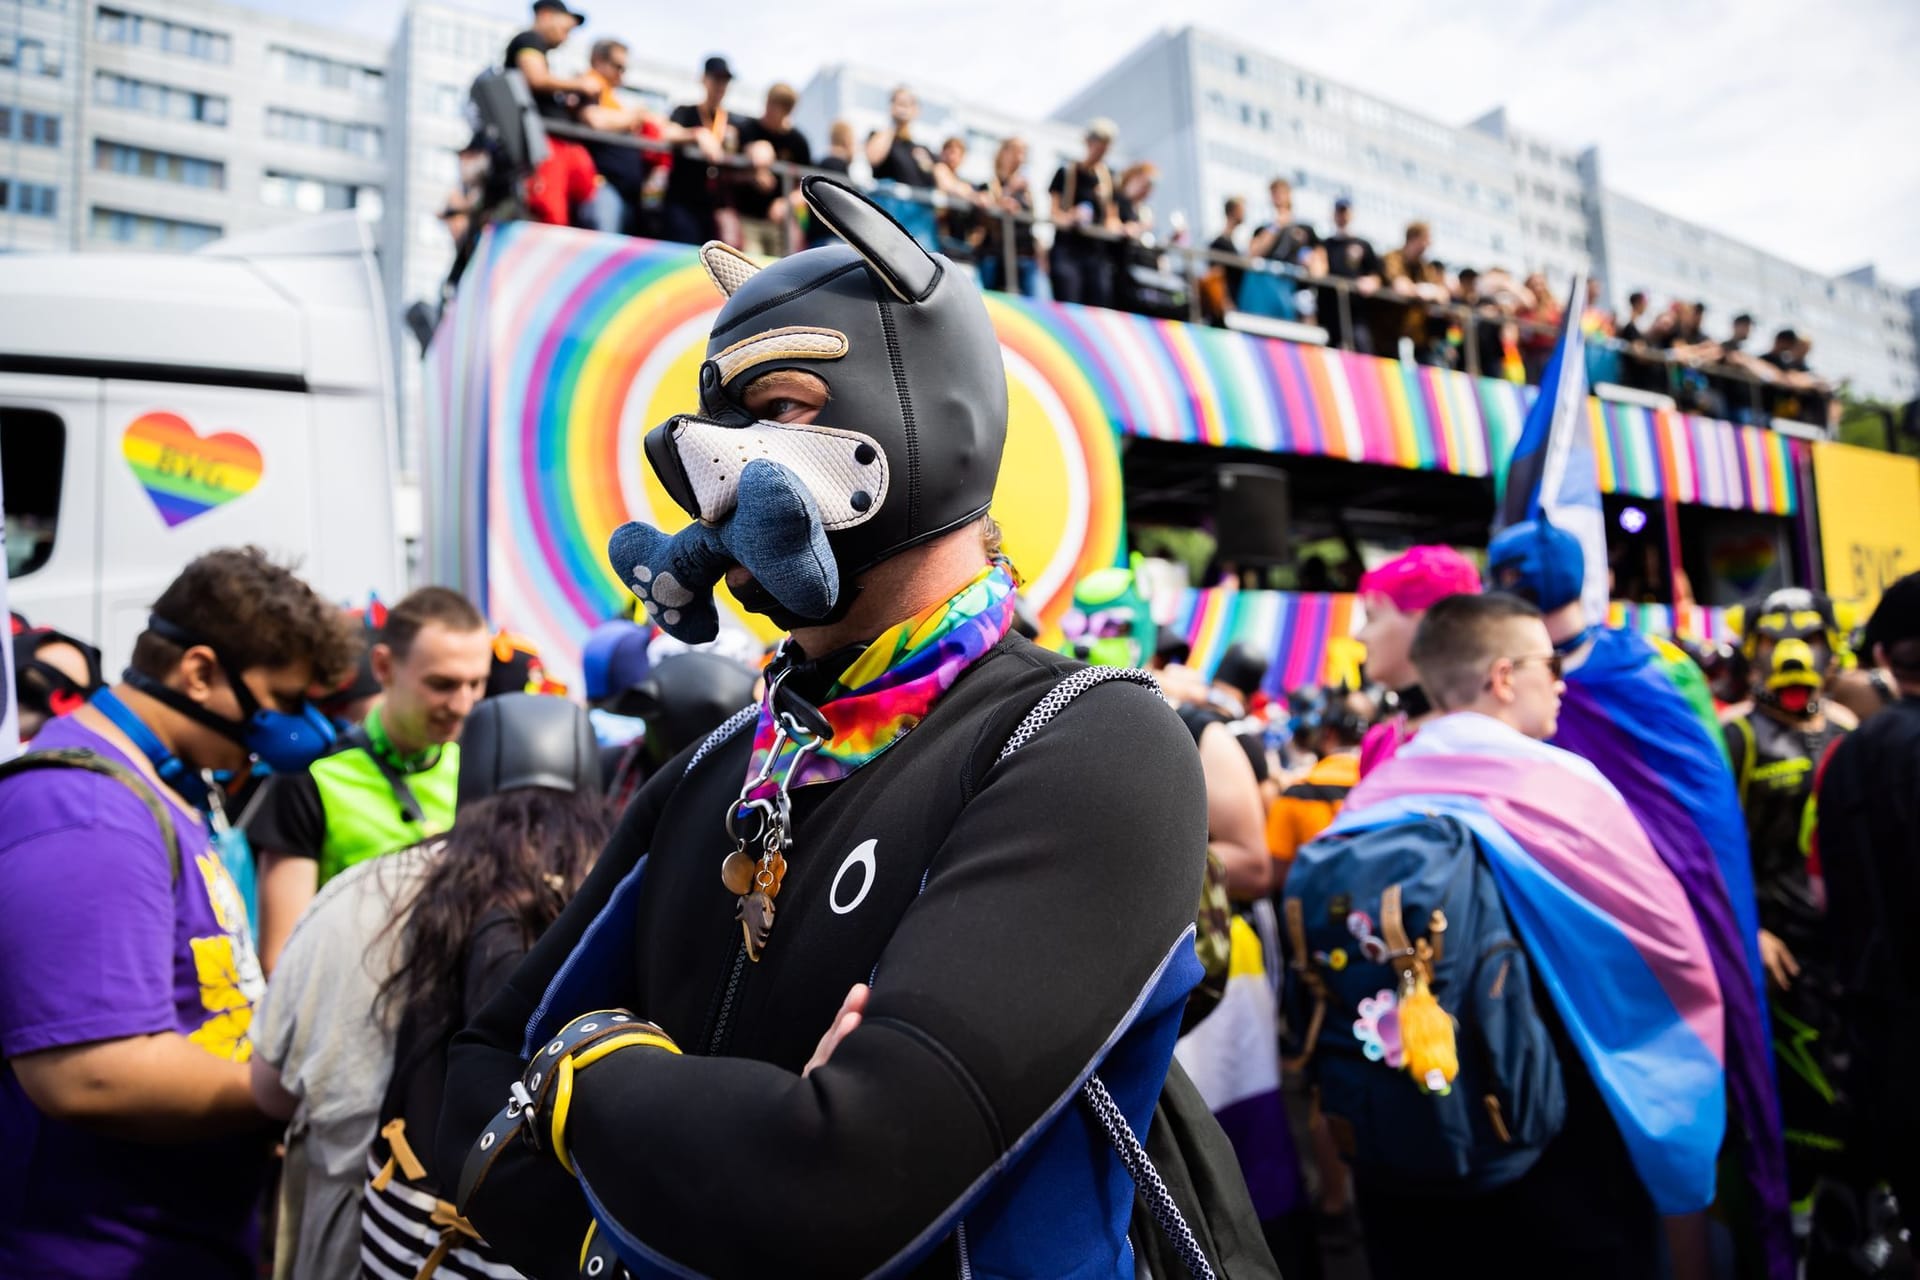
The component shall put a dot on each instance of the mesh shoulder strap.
(1094, 1098)
(81, 758)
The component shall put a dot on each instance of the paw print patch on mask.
(662, 595)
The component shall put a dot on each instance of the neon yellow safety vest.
(364, 815)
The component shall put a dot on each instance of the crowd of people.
(700, 173)
(1538, 953)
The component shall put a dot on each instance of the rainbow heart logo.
(185, 473)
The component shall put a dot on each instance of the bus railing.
(1451, 334)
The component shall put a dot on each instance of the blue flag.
(1553, 474)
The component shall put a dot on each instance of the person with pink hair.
(1397, 595)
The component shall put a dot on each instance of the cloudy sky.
(1786, 124)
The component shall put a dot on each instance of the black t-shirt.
(833, 164)
(906, 162)
(692, 182)
(789, 147)
(1223, 243)
(1293, 242)
(1630, 332)
(1785, 361)
(1079, 184)
(289, 819)
(552, 106)
(1350, 257)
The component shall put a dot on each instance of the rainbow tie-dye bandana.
(893, 683)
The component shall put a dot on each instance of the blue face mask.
(284, 741)
(287, 742)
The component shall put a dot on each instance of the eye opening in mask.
(785, 395)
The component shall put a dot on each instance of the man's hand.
(844, 1023)
(1781, 966)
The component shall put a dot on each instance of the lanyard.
(763, 816)
(381, 747)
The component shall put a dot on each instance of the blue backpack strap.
(1094, 1097)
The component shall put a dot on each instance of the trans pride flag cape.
(1623, 714)
(1606, 924)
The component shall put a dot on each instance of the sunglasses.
(1556, 665)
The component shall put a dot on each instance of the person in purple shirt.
(129, 1140)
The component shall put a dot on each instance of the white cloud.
(1786, 125)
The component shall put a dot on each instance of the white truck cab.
(153, 407)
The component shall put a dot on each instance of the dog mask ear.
(727, 267)
(909, 271)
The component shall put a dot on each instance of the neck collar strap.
(1574, 641)
(382, 745)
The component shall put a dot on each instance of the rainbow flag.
(1623, 713)
(1608, 929)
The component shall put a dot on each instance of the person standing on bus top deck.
(562, 187)
(624, 170)
(391, 784)
(134, 1144)
(1083, 204)
(765, 209)
(934, 1127)
(696, 184)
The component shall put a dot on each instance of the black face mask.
(285, 742)
(39, 685)
(907, 448)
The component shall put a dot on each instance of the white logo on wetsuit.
(861, 857)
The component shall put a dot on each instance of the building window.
(35, 128)
(158, 99)
(118, 26)
(148, 232)
(33, 453)
(28, 199)
(317, 131)
(145, 162)
(447, 100)
(29, 57)
(313, 195)
(296, 67)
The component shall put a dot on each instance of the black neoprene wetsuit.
(1014, 920)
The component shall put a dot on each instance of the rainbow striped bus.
(564, 347)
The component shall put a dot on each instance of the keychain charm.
(762, 815)
(756, 922)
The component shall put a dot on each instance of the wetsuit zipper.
(735, 978)
(960, 1241)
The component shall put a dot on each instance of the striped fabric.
(397, 1234)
